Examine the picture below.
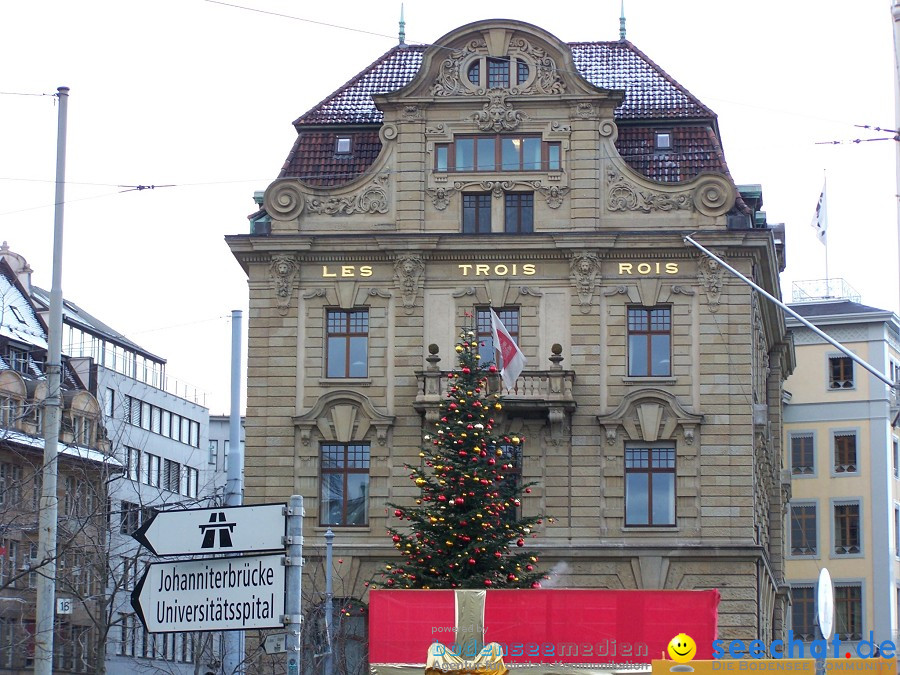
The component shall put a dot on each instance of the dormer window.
(17, 313)
(343, 145)
(498, 73)
(663, 140)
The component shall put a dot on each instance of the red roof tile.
(694, 149)
(650, 93)
(313, 158)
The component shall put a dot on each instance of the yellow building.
(844, 459)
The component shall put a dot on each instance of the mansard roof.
(650, 93)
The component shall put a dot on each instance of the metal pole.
(872, 369)
(292, 601)
(233, 660)
(329, 604)
(45, 610)
(895, 14)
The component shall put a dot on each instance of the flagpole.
(825, 220)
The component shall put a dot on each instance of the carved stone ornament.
(709, 273)
(283, 270)
(543, 74)
(650, 415)
(449, 81)
(585, 269)
(554, 194)
(372, 199)
(408, 272)
(497, 114)
(622, 195)
(343, 416)
(284, 200)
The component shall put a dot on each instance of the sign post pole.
(293, 574)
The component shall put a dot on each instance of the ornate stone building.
(555, 182)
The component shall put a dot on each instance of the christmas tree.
(465, 530)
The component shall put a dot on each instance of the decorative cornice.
(554, 194)
(372, 199)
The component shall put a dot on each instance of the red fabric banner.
(546, 626)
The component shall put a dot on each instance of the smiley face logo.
(682, 648)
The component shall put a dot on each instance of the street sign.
(227, 529)
(274, 644)
(238, 593)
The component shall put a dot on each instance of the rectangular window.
(185, 431)
(345, 484)
(133, 463)
(171, 476)
(154, 471)
(441, 157)
(476, 208)
(348, 343)
(130, 518)
(17, 359)
(176, 427)
(896, 456)
(343, 145)
(663, 140)
(897, 532)
(509, 316)
(498, 152)
(213, 452)
(848, 611)
(803, 612)
(145, 415)
(166, 427)
(845, 453)
(519, 212)
(649, 342)
(145, 468)
(803, 529)
(498, 73)
(840, 372)
(846, 529)
(650, 486)
(109, 403)
(802, 454)
(155, 415)
(195, 434)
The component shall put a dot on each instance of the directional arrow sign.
(208, 595)
(228, 529)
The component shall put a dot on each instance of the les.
(348, 271)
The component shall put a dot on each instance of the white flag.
(820, 219)
(510, 358)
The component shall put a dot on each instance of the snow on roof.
(17, 318)
(76, 451)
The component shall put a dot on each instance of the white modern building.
(159, 430)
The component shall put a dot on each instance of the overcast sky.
(201, 95)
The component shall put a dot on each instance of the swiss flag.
(510, 358)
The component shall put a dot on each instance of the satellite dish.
(825, 604)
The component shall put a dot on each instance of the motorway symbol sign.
(228, 529)
(238, 593)
(275, 644)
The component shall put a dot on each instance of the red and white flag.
(509, 357)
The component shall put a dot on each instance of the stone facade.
(606, 239)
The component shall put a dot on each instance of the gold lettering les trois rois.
(466, 269)
(648, 268)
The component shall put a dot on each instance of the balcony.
(535, 394)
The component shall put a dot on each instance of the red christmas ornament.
(536, 584)
(492, 369)
(471, 561)
(466, 370)
(487, 582)
(398, 513)
(520, 542)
